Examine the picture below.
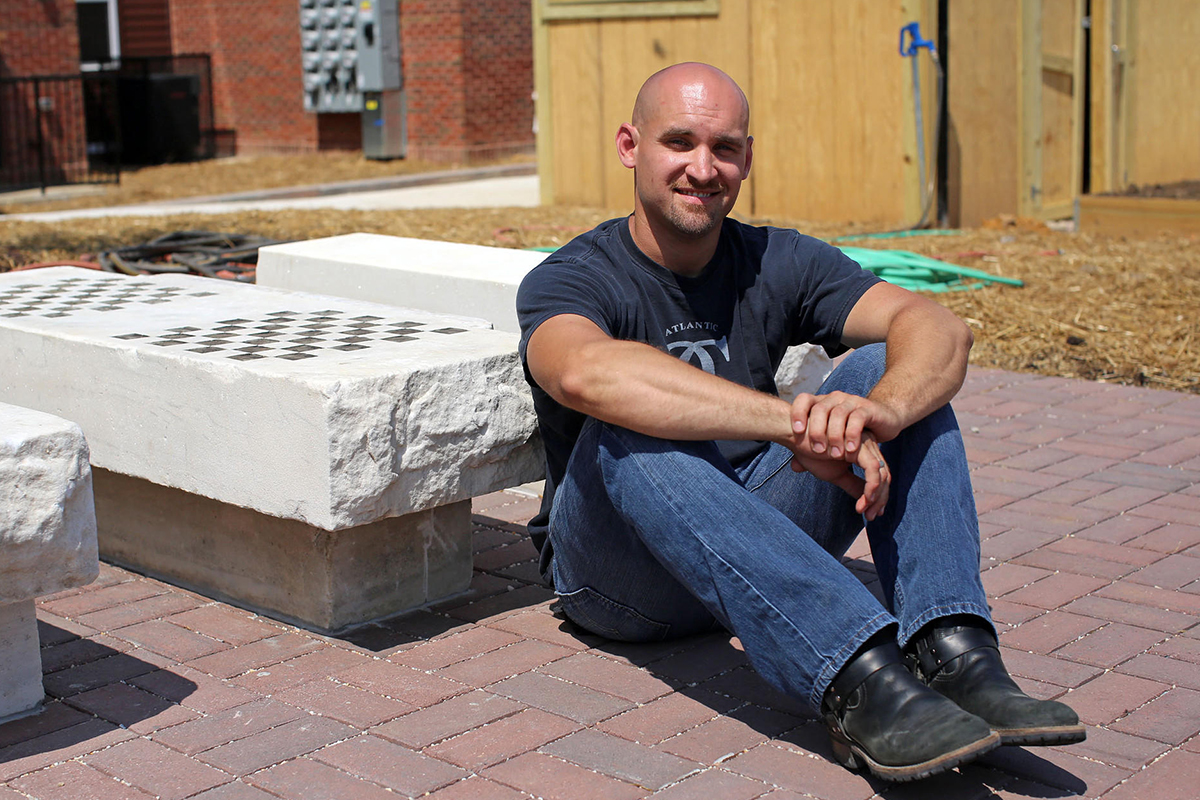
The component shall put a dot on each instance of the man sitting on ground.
(650, 344)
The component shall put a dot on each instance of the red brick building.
(40, 37)
(467, 67)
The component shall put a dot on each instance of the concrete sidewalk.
(1088, 497)
(508, 185)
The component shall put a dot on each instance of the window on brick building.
(99, 39)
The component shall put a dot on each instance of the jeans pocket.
(596, 613)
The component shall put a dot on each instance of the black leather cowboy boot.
(881, 717)
(962, 662)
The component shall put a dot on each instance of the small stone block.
(47, 520)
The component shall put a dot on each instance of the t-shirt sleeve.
(558, 286)
(830, 283)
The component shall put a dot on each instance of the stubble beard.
(693, 222)
(687, 220)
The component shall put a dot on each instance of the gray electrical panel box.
(384, 125)
(348, 47)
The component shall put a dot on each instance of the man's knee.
(859, 371)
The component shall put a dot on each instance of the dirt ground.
(1097, 307)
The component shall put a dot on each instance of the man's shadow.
(714, 671)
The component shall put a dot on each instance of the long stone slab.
(331, 412)
(449, 277)
(47, 539)
(310, 457)
(444, 277)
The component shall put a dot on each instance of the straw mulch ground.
(1096, 307)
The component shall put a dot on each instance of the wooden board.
(1163, 65)
(835, 131)
(1142, 216)
(982, 107)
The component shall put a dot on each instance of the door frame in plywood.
(1031, 63)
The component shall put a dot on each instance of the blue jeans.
(656, 539)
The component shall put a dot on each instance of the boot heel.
(842, 752)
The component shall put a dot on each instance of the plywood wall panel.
(835, 123)
(982, 105)
(575, 104)
(1164, 126)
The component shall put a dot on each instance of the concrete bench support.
(296, 572)
(47, 539)
(450, 278)
(298, 454)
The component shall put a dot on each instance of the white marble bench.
(449, 277)
(306, 456)
(47, 539)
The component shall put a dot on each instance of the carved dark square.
(131, 336)
(205, 349)
(246, 357)
(296, 356)
(351, 347)
(449, 331)
(400, 339)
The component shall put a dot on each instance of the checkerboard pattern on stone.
(62, 298)
(291, 335)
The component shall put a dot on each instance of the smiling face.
(690, 151)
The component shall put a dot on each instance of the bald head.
(691, 80)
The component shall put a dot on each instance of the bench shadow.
(91, 689)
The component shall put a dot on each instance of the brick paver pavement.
(1089, 500)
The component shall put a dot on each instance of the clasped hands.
(832, 433)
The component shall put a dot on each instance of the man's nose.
(702, 167)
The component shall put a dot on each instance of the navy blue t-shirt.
(764, 290)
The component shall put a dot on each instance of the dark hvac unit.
(160, 118)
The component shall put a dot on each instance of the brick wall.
(498, 66)
(468, 74)
(468, 70)
(38, 37)
(255, 49)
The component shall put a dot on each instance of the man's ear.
(749, 157)
(627, 141)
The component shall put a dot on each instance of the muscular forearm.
(638, 387)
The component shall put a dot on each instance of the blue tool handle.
(913, 29)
